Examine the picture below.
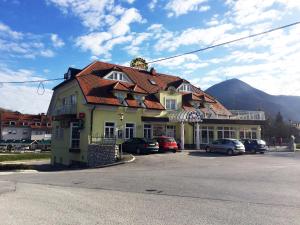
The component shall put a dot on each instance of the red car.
(167, 144)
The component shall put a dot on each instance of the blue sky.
(40, 39)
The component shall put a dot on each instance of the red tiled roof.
(19, 119)
(99, 91)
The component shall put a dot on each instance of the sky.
(40, 39)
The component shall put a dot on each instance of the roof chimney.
(153, 71)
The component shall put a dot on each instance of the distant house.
(296, 125)
(117, 102)
(18, 126)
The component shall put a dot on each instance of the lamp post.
(121, 117)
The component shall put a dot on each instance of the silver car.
(227, 146)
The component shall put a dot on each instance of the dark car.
(227, 146)
(167, 144)
(140, 146)
(255, 145)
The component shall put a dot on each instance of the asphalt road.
(182, 188)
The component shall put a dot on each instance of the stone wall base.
(99, 155)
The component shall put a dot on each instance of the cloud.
(92, 13)
(181, 7)
(56, 41)
(14, 44)
(152, 4)
(23, 98)
(101, 43)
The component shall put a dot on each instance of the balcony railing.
(65, 110)
(247, 115)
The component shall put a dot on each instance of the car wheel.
(262, 152)
(229, 152)
(138, 151)
(174, 151)
(253, 151)
(207, 149)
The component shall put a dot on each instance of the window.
(73, 99)
(75, 135)
(109, 130)
(12, 123)
(25, 123)
(206, 135)
(129, 130)
(48, 124)
(64, 101)
(117, 76)
(38, 124)
(147, 131)
(226, 132)
(248, 133)
(152, 82)
(171, 104)
(186, 88)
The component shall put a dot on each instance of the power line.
(29, 81)
(227, 42)
(171, 57)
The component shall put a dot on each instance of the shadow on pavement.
(206, 154)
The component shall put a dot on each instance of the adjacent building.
(18, 126)
(106, 102)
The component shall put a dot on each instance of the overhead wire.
(41, 87)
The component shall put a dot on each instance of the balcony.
(65, 110)
(247, 115)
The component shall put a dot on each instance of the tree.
(139, 63)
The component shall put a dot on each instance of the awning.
(194, 116)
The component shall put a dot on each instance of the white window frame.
(73, 99)
(232, 132)
(12, 123)
(149, 130)
(114, 129)
(117, 75)
(74, 125)
(130, 128)
(185, 87)
(167, 105)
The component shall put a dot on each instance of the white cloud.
(92, 13)
(152, 4)
(6, 31)
(122, 26)
(23, 98)
(56, 41)
(14, 44)
(181, 7)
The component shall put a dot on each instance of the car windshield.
(261, 142)
(236, 142)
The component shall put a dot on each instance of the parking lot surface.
(190, 187)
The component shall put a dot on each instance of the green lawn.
(24, 156)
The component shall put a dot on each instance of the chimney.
(153, 71)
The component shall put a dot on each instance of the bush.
(298, 146)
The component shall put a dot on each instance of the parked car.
(167, 144)
(227, 146)
(255, 145)
(140, 146)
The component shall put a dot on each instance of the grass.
(298, 146)
(24, 156)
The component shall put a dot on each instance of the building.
(108, 101)
(17, 126)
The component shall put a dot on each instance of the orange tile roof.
(98, 90)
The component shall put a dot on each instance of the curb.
(117, 163)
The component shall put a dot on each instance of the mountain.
(236, 94)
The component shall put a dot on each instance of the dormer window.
(121, 97)
(140, 100)
(185, 88)
(115, 75)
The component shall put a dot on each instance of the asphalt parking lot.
(190, 187)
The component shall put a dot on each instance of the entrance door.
(170, 131)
